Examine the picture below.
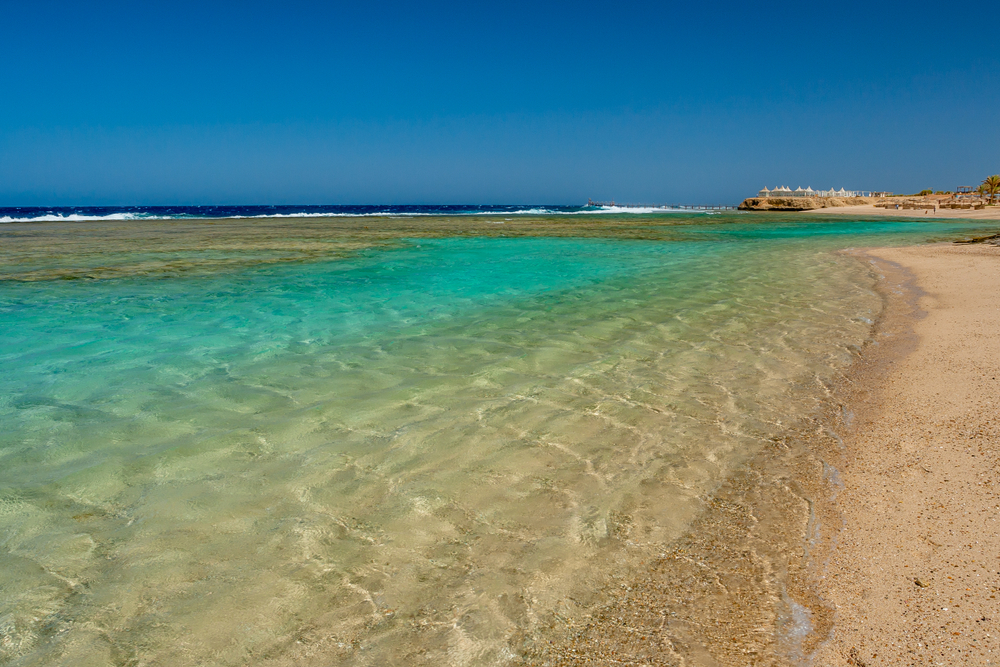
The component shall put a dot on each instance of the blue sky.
(542, 102)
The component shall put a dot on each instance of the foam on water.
(74, 217)
(416, 453)
(94, 214)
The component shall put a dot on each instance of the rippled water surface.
(315, 442)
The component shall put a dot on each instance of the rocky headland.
(899, 203)
(803, 203)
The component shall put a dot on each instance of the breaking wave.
(103, 213)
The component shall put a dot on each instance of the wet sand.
(915, 575)
(867, 210)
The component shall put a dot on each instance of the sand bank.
(915, 575)
(867, 210)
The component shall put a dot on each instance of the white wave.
(379, 214)
(642, 209)
(74, 217)
(526, 211)
(603, 210)
(596, 211)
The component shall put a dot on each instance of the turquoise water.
(415, 453)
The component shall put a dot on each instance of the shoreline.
(867, 210)
(810, 555)
(740, 585)
(913, 574)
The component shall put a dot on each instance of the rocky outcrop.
(992, 239)
(801, 203)
(779, 204)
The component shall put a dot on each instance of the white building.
(785, 191)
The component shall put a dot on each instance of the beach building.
(785, 191)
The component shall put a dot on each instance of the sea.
(92, 213)
(394, 435)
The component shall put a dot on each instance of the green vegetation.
(990, 187)
(924, 193)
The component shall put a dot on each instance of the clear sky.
(503, 102)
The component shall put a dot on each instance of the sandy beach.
(867, 210)
(915, 576)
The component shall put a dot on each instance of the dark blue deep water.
(73, 213)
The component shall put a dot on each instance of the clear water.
(416, 452)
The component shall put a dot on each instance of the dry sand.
(915, 577)
(867, 210)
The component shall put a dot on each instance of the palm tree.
(992, 184)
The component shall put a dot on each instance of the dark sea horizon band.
(90, 213)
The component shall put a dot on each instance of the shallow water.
(415, 443)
